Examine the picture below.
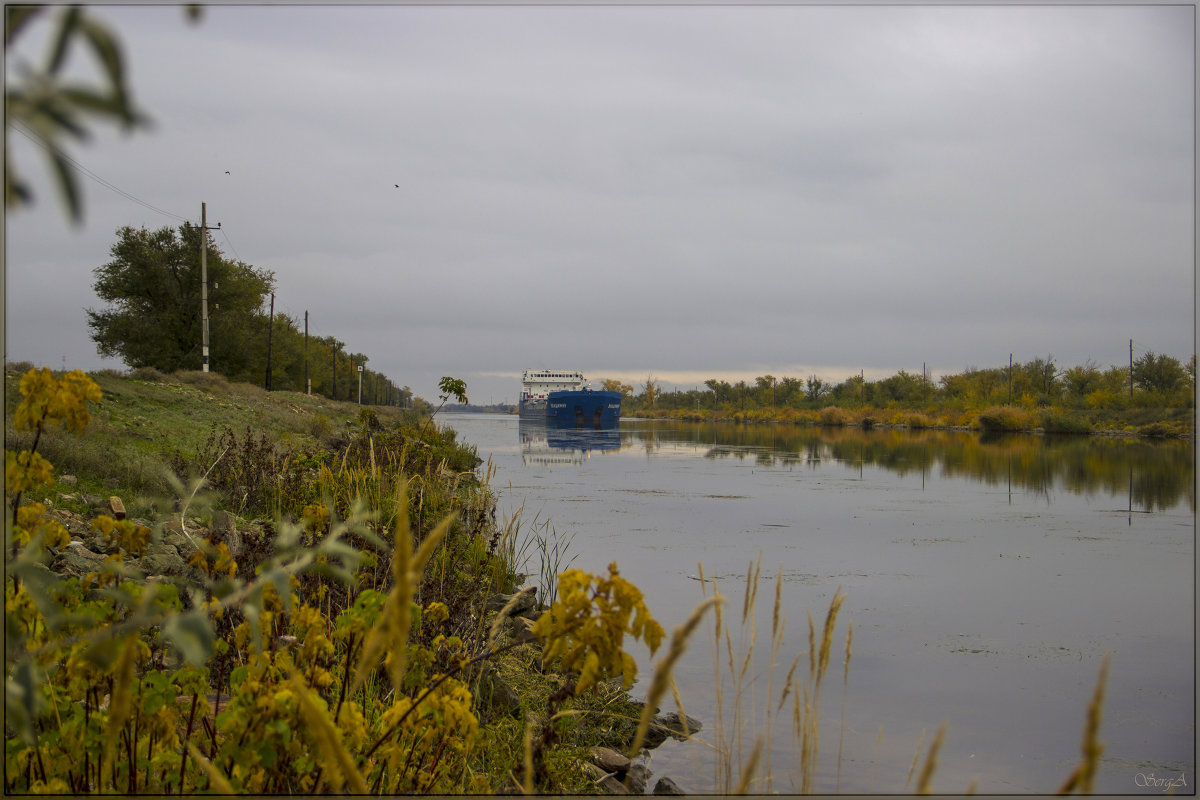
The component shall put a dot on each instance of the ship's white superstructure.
(536, 386)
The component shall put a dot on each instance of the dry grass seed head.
(923, 783)
(846, 663)
(777, 613)
(662, 673)
(217, 782)
(687, 733)
(1084, 774)
(747, 775)
(913, 767)
(340, 769)
(787, 683)
(827, 635)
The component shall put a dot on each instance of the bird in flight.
(397, 186)
(226, 172)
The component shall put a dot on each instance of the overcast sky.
(688, 192)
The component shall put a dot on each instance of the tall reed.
(1082, 777)
(732, 767)
(733, 771)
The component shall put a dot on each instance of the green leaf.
(22, 700)
(192, 635)
(280, 728)
(103, 652)
(66, 31)
(267, 754)
(338, 573)
(88, 99)
(107, 50)
(152, 702)
(15, 20)
(251, 611)
(42, 585)
(64, 172)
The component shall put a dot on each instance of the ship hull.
(582, 408)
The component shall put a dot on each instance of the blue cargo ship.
(563, 399)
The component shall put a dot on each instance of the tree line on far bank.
(152, 287)
(1151, 381)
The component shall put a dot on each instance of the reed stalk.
(1083, 776)
(923, 783)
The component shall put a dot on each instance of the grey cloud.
(669, 187)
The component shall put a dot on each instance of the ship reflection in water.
(548, 444)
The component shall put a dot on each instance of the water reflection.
(1153, 476)
(551, 445)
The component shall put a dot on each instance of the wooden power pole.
(204, 229)
(270, 330)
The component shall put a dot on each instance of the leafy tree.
(901, 387)
(789, 391)
(765, 385)
(614, 385)
(1041, 376)
(956, 387)
(815, 388)
(741, 391)
(1081, 381)
(1160, 374)
(650, 390)
(722, 390)
(152, 285)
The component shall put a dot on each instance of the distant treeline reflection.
(1155, 476)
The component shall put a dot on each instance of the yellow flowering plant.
(585, 628)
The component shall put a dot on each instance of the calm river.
(986, 580)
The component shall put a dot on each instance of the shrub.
(319, 427)
(1061, 422)
(208, 381)
(1006, 418)
(912, 419)
(148, 374)
(833, 415)
(1102, 398)
(1155, 430)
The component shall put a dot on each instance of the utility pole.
(204, 229)
(270, 330)
(360, 372)
(307, 380)
(1009, 378)
(1131, 369)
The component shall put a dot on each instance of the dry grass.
(835, 415)
(734, 770)
(1082, 777)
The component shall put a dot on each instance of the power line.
(18, 127)
(231, 247)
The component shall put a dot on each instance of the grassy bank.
(313, 616)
